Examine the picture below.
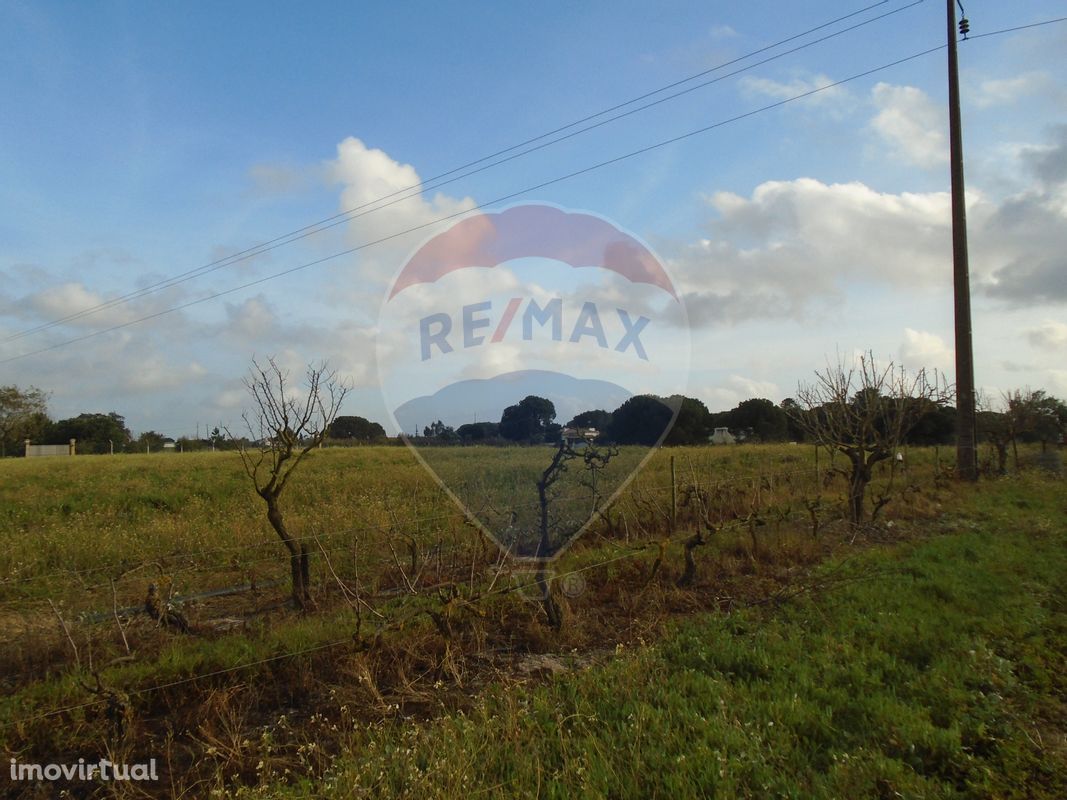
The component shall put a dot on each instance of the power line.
(436, 181)
(1017, 28)
(495, 201)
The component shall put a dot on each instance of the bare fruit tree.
(865, 412)
(286, 424)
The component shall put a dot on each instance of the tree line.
(1025, 416)
(642, 420)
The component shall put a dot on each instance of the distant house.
(722, 436)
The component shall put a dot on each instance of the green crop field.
(725, 631)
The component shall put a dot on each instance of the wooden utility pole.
(966, 445)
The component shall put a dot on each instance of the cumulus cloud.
(795, 244)
(368, 174)
(922, 349)
(910, 125)
(1026, 238)
(794, 248)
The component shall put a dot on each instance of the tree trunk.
(857, 487)
(1002, 457)
(299, 567)
(551, 607)
(305, 572)
(548, 601)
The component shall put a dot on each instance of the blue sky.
(141, 141)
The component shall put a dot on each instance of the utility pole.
(966, 445)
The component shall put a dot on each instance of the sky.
(141, 142)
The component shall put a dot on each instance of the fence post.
(674, 497)
(73, 446)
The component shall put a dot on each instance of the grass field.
(423, 670)
(935, 669)
(101, 515)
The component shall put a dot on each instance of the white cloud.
(367, 175)
(1003, 91)
(910, 124)
(1049, 335)
(252, 319)
(72, 297)
(800, 85)
(735, 389)
(795, 244)
(156, 373)
(921, 349)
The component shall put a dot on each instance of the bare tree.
(285, 426)
(865, 412)
(593, 459)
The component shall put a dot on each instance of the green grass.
(940, 671)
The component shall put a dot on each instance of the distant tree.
(438, 430)
(218, 439)
(1027, 416)
(478, 431)
(1041, 417)
(96, 433)
(287, 429)
(640, 420)
(759, 419)
(528, 420)
(598, 418)
(356, 428)
(150, 440)
(23, 415)
(936, 424)
(864, 412)
(793, 412)
(693, 423)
